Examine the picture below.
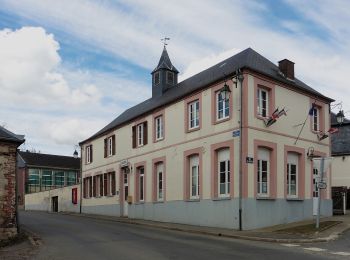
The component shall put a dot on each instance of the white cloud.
(202, 34)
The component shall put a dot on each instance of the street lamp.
(225, 92)
(75, 154)
(340, 117)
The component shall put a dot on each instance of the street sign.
(236, 133)
(249, 159)
(321, 185)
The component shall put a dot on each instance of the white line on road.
(341, 253)
(314, 249)
(290, 245)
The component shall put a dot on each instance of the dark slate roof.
(6, 135)
(341, 140)
(50, 160)
(165, 62)
(248, 59)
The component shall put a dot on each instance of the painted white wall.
(42, 200)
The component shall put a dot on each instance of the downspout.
(16, 194)
(81, 179)
(240, 156)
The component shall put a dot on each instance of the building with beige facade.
(218, 149)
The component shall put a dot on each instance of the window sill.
(193, 129)
(264, 198)
(158, 140)
(139, 203)
(218, 121)
(110, 195)
(222, 198)
(261, 117)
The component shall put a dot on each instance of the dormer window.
(156, 78)
(170, 77)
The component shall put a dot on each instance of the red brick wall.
(21, 177)
(7, 190)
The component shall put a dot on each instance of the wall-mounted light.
(310, 153)
(225, 92)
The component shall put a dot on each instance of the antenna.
(164, 41)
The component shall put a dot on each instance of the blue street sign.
(236, 133)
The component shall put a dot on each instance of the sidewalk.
(271, 234)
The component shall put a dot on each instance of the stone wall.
(8, 227)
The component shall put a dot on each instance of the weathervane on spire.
(164, 41)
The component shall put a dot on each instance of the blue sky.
(70, 67)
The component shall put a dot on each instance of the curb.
(202, 232)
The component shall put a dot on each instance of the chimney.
(287, 68)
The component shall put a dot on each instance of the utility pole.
(319, 194)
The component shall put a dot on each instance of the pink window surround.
(154, 116)
(214, 148)
(301, 170)
(325, 193)
(214, 91)
(154, 178)
(321, 117)
(186, 171)
(187, 101)
(273, 167)
(137, 166)
(270, 87)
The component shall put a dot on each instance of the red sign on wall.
(75, 195)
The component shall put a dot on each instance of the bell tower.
(164, 76)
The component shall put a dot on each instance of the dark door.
(55, 204)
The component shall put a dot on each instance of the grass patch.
(309, 228)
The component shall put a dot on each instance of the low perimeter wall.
(44, 200)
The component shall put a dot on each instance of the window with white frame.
(193, 114)
(194, 177)
(89, 154)
(140, 135)
(222, 107)
(263, 102)
(160, 181)
(159, 128)
(141, 171)
(263, 173)
(224, 172)
(292, 174)
(316, 119)
(110, 146)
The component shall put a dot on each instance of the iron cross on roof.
(164, 41)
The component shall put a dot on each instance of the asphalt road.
(73, 237)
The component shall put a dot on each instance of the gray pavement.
(76, 237)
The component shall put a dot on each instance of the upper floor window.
(222, 107)
(262, 102)
(170, 77)
(156, 78)
(139, 135)
(159, 128)
(292, 174)
(263, 173)
(88, 154)
(316, 119)
(193, 114)
(224, 172)
(109, 146)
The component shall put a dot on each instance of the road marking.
(314, 249)
(341, 253)
(289, 245)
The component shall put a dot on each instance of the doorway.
(126, 194)
(54, 204)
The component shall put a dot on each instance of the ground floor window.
(292, 174)
(194, 177)
(263, 171)
(224, 172)
(160, 181)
